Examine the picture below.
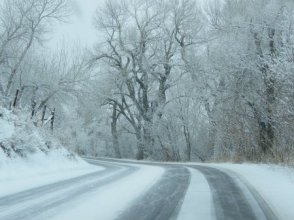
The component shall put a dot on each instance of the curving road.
(232, 197)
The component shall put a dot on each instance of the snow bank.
(30, 156)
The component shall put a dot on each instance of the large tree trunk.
(266, 127)
(1, 88)
(212, 130)
(140, 146)
(148, 137)
(266, 136)
(114, 132)
(266, 124)
(188, 142)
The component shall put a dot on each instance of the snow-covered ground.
(198, 200)
(107, 203)
(19, 175)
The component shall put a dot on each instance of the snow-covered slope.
(31, 154)
(20, 138)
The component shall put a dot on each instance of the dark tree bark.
(114, 133)
(188, 142)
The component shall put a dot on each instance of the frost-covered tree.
(253, 58)
(143, 46)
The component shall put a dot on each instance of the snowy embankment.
(30, 157)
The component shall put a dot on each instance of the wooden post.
(43, 113)
(52, 118)
(15, 98)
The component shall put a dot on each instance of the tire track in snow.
(265, 208)
(229, 199)
(163, 200)
(233, 198)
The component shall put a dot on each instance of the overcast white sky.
(80, 27)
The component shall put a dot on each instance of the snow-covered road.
(131, 190)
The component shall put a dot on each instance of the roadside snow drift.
(30, 156)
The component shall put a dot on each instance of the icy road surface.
(128, 190)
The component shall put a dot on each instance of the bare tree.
(143, 48)
(23, 24)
